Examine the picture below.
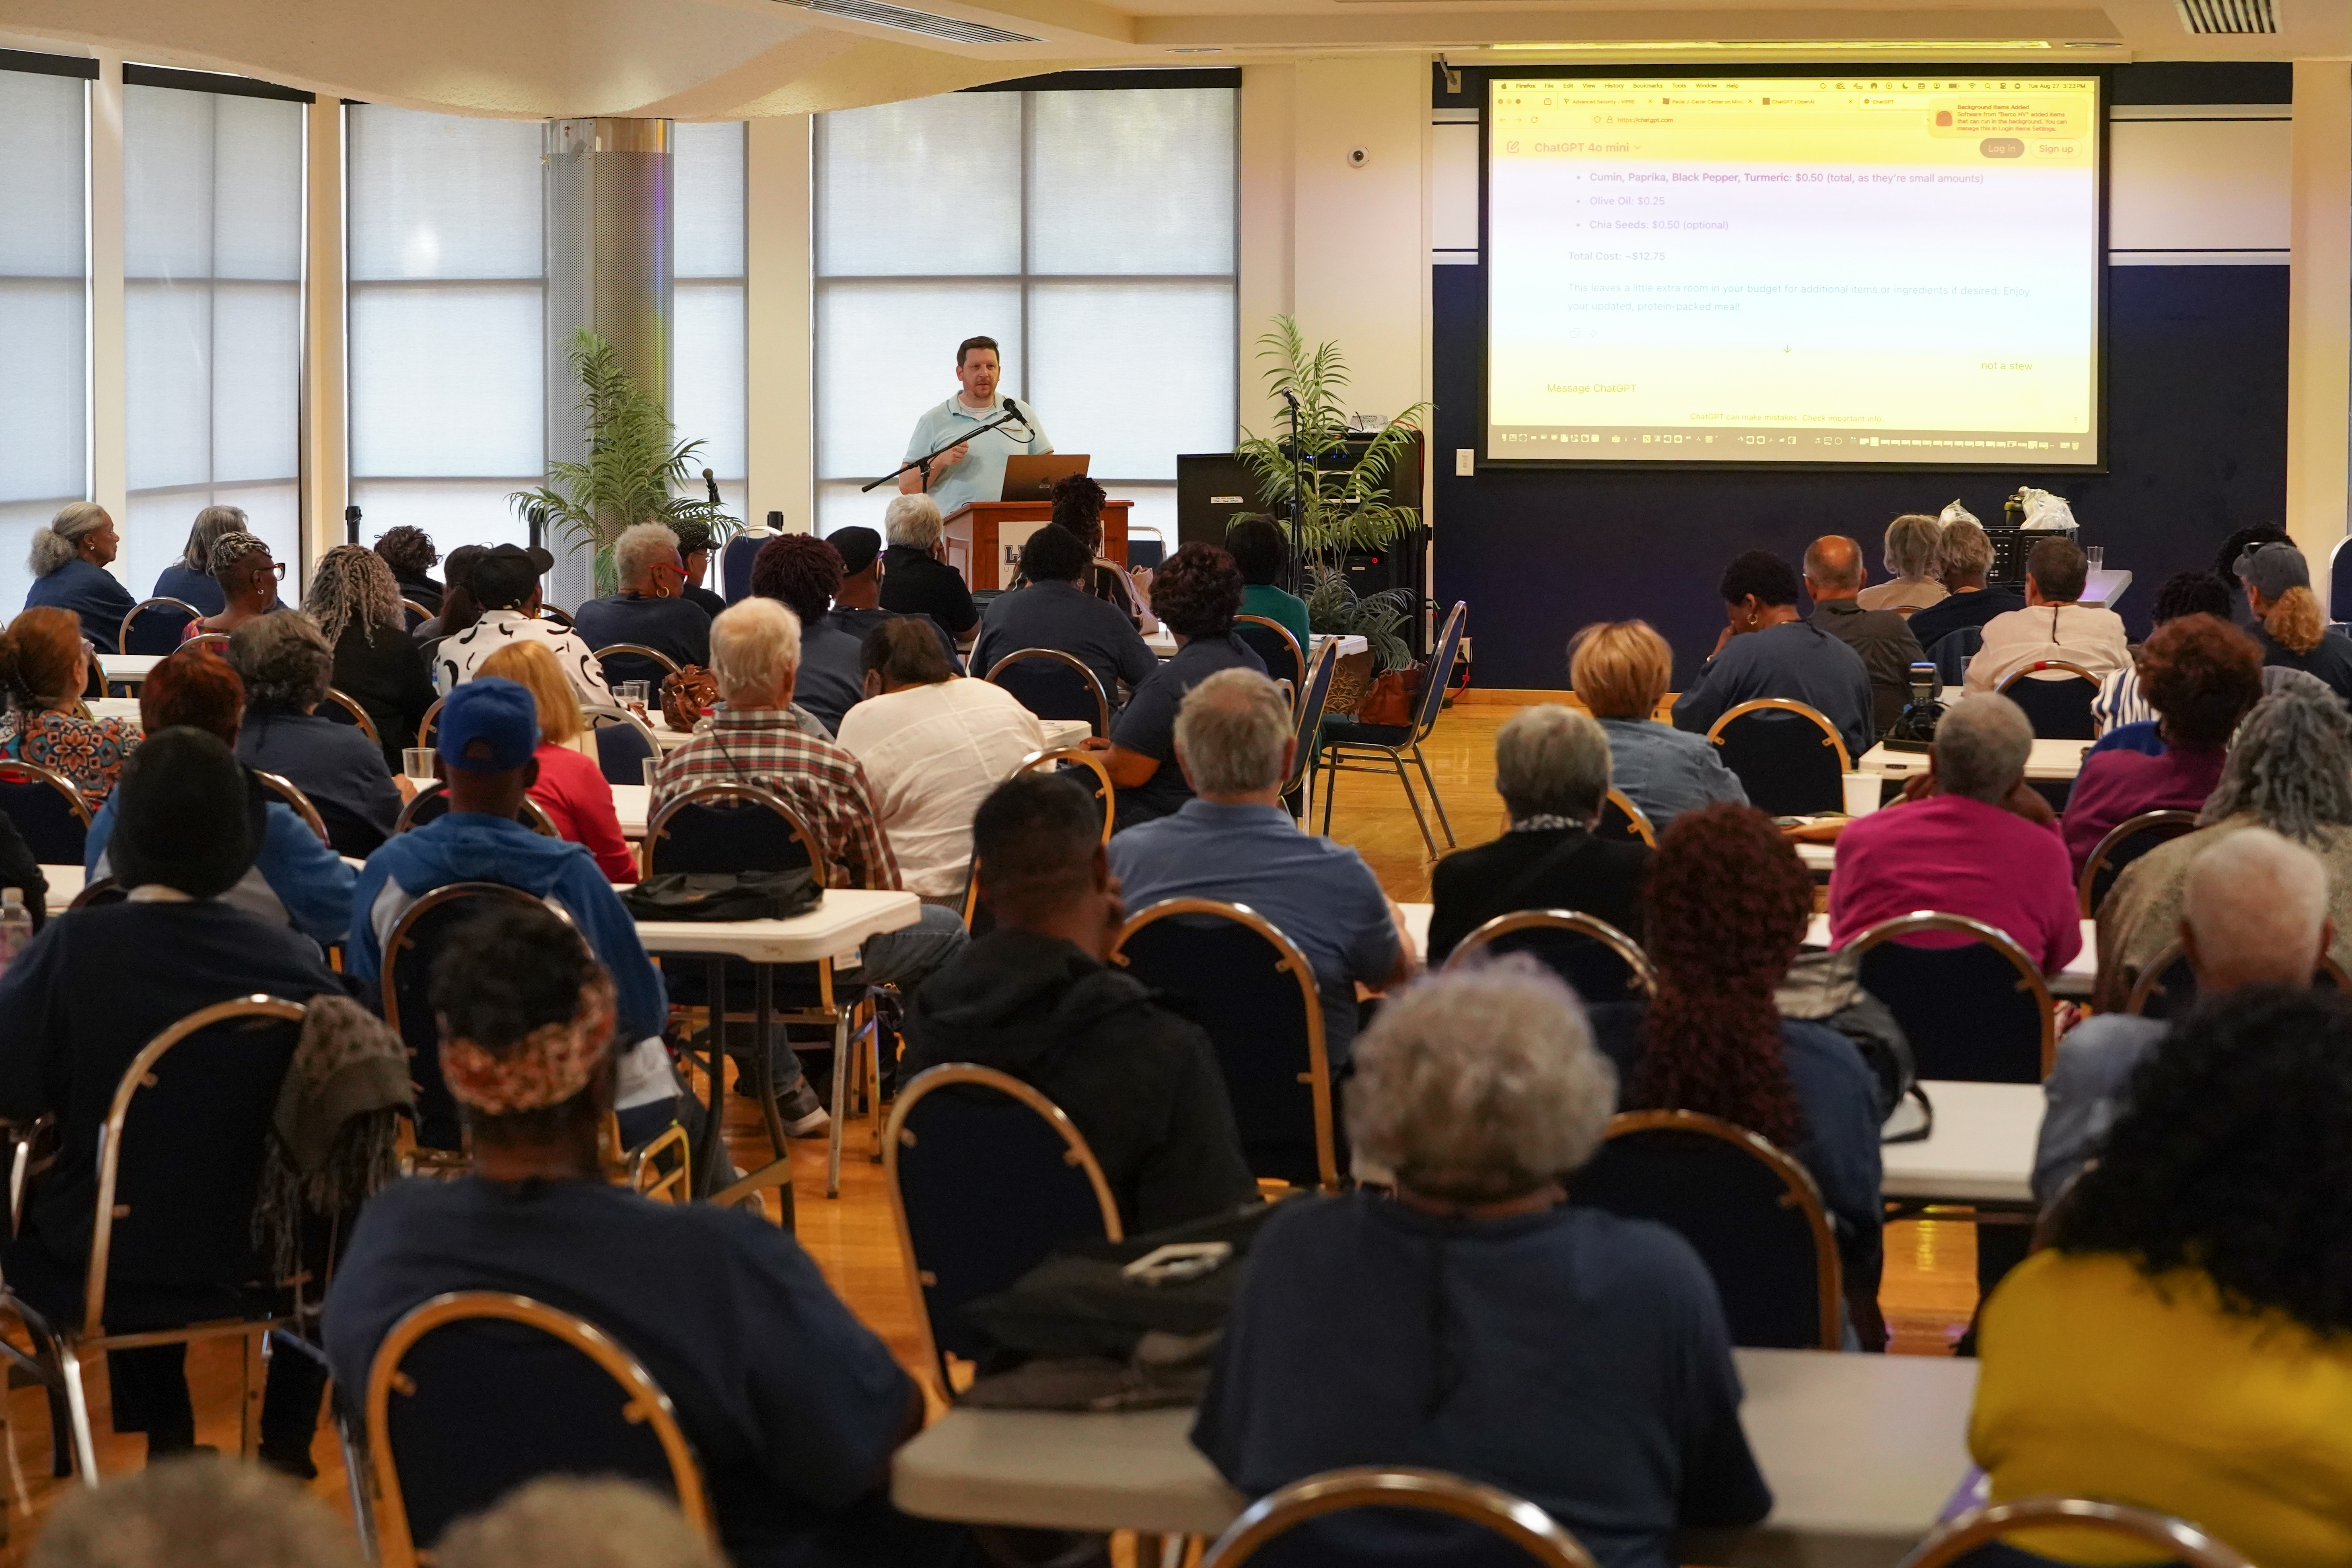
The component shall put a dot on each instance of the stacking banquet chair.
(2058, 709)
(1074, 761)
(2176, 1541)
(623, 743)
(987, 1176)
(1623, 821)
(477, 1391)
(635, 662)
(414, 614)
(179, 1165)
(1054, 685)
(560, 616)
(47, 810)
(1314, 696)
(1787, 756)
(431, 801)
(1599, 962)
(152, 627)
(1253, 991)
(1979, 1012)
(1751, 1212)
(1272, 642)
(1348, 747)
(344, 709)
(1952, 652)
(2167, 987)
(287, 790)
(209, 642)
(2126, 842)
(1480, 1507)
(428, 729)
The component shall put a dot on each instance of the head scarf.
(546, 1068)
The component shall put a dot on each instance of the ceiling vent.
(2228, 15)
(954, 29)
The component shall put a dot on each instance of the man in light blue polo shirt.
(972, 469)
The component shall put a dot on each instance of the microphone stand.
(1297, 500)
(924, 462)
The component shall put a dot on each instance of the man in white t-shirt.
(933, 746)
(2052, 626)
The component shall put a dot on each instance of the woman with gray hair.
(285, 660)
(190, 578)
(651, 609)
(1551, 768)
(1475, 1321)
(69, 564)
(1912, 543)
(916, 577)
(2290, 770)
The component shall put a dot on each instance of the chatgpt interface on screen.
(1774, 269)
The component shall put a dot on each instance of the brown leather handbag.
(1390, 700)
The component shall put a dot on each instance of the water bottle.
(15, 926)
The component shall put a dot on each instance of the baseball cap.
(857, 547)
(502, 578)
(2274, 568)
(489, 726)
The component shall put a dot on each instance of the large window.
(44, 311)
(1090, 232)
(212, 269)
(707, 356)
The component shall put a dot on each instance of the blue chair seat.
(1348, 731)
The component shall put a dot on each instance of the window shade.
(44, 306)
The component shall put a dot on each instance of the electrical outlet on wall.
(1466, 650)
(1465, 462)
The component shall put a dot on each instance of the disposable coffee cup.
(1861, 792)
(416, 762)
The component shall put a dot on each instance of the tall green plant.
(633, 473)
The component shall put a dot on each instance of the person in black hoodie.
(1034, 998)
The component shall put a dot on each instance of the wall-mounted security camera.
(1358, 156)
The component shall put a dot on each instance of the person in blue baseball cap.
(489, 729)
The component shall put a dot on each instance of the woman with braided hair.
(356, 602)
(1723, 915)
(248, 581)
(43, 668)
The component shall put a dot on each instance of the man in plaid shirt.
(755, 650)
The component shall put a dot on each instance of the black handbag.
(723, 895)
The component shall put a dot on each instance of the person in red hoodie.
(571, 785)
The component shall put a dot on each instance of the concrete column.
(779, 264)
(109, 369)
(326, 436)
(2319, 315)
(1267, 286)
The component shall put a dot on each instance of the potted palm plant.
(634, 469)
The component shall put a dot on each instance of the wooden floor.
(1928, 1294)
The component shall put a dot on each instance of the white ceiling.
(733, 58)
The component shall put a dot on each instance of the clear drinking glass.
(416, 762)
(2096, 554)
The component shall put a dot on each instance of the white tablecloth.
(835, 929)
(2052, 761)
(1163, 643)
(128, 666)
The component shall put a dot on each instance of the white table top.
(1981, 1151)
(1860, 1452)
(1416, 927)
(128, 666)
(65, 883)
(2105, 586)
(2074, 980)
(2050, 762)
(835, 929)
(632, 804)
(1162, 642)
(122, 709)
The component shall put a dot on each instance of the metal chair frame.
(2071, 671)
(1638, 819)
(2115, 838)
(2183, 1543)
(2030, 977)
(430, 723)
(358, 714)
(1803, 1194)
(1516, 1519)
(1055, 655)
(287, 790)
(1364, 756)
(123, 632)
(532, 815)
(1289, 960)
(60, 1350)
(646, 1404)
(218, 641)
(1575, 922)
(562, 618)
(96, 891)
(669, 665)
(16, 771)
(1075, 1152)
(419, 611)
(1078, 756)
(603, 715)
(645, 1172)
(1830, 736)
(2151, 976)
(1297, 673)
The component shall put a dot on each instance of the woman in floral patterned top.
(43, 668)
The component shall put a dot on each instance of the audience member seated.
(2055, 626)
(44, 669)
(458, 608)
(916, 577)
(2289, 624)
(1233, 841)
(1036, 998)
(190, 578)
(570, 787)
(503, 585)
(1963, 562)
(1913, 542)
(355, 601)
(2253, 912)
(198, 1512)
(1766, 650)
(577, 1522)
(294, 879)
(83, 999)
(284, 661)
(2200, 674)
(1055, 610)
(1833, 576)
(69, 565)
(1727, 902)
(1620, 670)
(2226, 566)
(1970, 839)
(2182, 1341)
(1477, 1321)
(932, 746)
(1079, 506)
(249, 582)
(410, 555)
(1262, 555)
(793, 1406)
(1196, 596)
(753, 739)
(1551, 768)
(694, 551)
(651, 610)
(857, 602)
(488, 749)
(2290, 770)
(800, 572)
(2120, 702)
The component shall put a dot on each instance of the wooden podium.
(977, 533)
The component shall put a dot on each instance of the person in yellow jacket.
(2185, 1343)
